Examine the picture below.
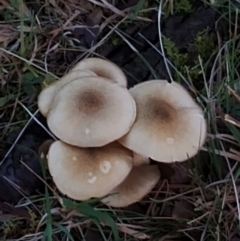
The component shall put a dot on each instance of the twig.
(28, 62)
(17, 139)
(36, 120)
(160, 40)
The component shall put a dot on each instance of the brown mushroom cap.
(82, 173)
(103, 68)
(91, 112)
(47, 94)
(44, 147)
(139, 182)
(169, 125)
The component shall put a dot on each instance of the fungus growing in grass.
(169, 125)
(103, 68)
(139, 182)
(83, 173)
(47, 95)
(91, 112)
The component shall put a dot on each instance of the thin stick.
(36, 120)
(234, 185)
(191, 191)
(19, 136)
(160, 40)
(28, 62)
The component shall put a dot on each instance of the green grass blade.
(48, 229)
(93, 213)
(64, 230)
(96, 222)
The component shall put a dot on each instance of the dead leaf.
(7, 34)
(3, 37)
(4, 3)
(166, 170)
(8, 211)
(176, 173)
(181, 174)
(92, 235)
(92, 22)
(86, 5)
(132, 232)
(183, 210)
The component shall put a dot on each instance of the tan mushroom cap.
(47, 94)
(103, 68)
(82, 173)
(169, 126)
(139, 159)
(91, 112)
(139, 182)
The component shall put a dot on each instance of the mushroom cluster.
(107, 132)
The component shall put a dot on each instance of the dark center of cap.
(161, 110)
(90, 101)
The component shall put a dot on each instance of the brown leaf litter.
(8, 33)
(8, 211)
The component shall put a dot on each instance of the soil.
(12, 171)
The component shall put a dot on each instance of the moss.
(179, 60)
(115, 40)
(183, 6)
(14, 227)
(188, 63)
(203, 44)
